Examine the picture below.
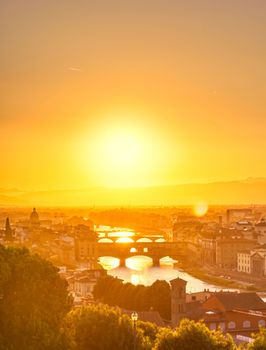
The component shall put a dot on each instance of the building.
(228, 248)
(178, 300)
(81, 284)
(239, 314)
(260, 229)
(253, 261)
(198, 296)
(243, 261)
(86, 246)
(243, 225)
(34, 219)
(234, 313)
(232, 214)
(208, 251)
(258, 261)
(8, 232)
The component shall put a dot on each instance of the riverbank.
(214, 276)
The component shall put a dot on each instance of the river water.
(139, 269)
(149, 275)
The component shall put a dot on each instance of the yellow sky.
(131, 93)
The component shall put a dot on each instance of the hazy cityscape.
(133, 175)
(210, 261)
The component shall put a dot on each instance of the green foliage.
(259, 340)
(100, 327)
(149, 331)
(33, 301)
(193, 335)
(128, 296)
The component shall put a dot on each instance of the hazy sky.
(131, 93)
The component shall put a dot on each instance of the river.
(139, 269)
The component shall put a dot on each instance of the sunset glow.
(107, 106)
(133, 174)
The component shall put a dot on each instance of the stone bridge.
(136, 238)
(154, 250)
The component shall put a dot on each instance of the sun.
(120, 155)
(121, 149)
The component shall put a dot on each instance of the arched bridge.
(154, 250)
(136, 238)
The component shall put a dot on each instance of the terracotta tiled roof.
(241, 301)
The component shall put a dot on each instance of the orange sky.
(178, 86)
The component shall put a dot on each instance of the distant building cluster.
(235, 244)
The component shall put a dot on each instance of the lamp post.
(134, 318)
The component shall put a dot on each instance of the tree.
(140, 298)
(33, 301)
(159, 295)
(100, 327)
(259, 340)
(193, 335)
(149, 332)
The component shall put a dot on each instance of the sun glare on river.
(139, 263)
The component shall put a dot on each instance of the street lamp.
(134, 318)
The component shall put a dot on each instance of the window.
(261, 323)
(180, 308)
(231, 325)
(222, 326)
(246, 324)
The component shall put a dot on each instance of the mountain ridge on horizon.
(249, 179)
(251, 190)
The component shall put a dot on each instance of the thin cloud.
(74, 69)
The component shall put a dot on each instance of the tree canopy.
(100, 327)
(139, 298)
(259, 340)
(33, 301)
(193, 335)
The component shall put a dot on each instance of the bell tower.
(178, 300)
(8, 231)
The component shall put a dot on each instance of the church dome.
(34, 218)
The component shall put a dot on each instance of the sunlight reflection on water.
(139, 271)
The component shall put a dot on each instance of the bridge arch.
(124, 240)
(144, 240)
(160, 240)
(133, 250)
(109, 262)
(167, 260)
(105, 240)
(138, 262)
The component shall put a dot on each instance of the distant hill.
(249, 191)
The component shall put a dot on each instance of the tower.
(34, 219)
(8, 231)
(178, 300)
